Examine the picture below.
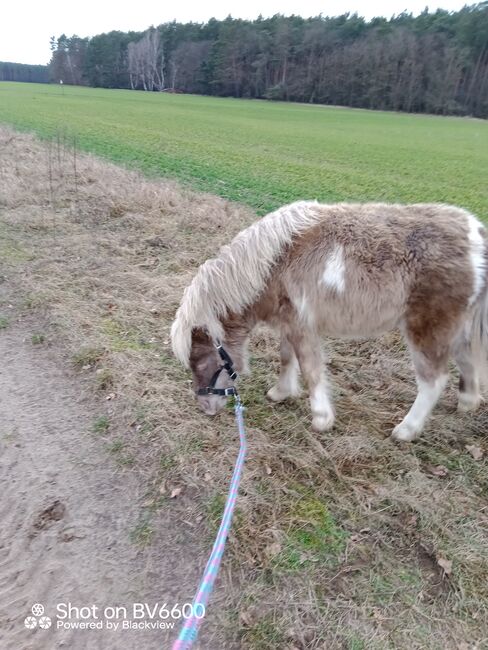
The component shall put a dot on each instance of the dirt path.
(66, 510)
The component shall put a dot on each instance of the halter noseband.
(227, 365)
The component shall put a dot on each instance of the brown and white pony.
(345, 270)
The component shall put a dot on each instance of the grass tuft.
(142, 534)
(264, 635)
(101, 424)
(312, 535)
(88, 356)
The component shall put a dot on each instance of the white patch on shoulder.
(477, 255)
(335, 270)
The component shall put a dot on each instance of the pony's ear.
(199, 336)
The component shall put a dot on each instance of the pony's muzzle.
(211, 404)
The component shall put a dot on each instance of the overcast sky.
(27, 25)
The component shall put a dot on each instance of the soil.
(67, 511)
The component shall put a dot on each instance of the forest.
(23, 72)
(436, 62)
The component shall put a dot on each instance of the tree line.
(435, 62)
(24, 72)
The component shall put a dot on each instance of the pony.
(344, 270)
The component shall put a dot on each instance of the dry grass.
(338, 536)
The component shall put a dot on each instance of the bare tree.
(146, 62)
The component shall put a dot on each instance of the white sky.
(26, 25)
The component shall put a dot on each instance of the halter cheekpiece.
(228, 366)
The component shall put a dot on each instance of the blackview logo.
(38, 619)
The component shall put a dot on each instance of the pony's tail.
(479, 336)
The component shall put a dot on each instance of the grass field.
(342, 540)
(265, 154)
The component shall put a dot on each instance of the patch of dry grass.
(339, 538)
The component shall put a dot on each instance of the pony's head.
(205, 363)
(194, 347)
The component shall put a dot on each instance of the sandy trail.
(66, 510)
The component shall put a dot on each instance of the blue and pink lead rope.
(189, 631)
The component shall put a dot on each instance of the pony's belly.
(359, 319)
(358, 330)
(358, 309)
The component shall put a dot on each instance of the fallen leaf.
(175, 492)
(110, 396)
(308, 635)
(162, 489)
(247, 617)
(358, 537)
(207, 477)
(411, 520)
(268, 469)
(273, 549)
(437, 470)
(445, 564)
(378, 615)
(476, 452)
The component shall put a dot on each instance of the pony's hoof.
(405, 433)
(468, 403)
(275, 395)
(323, 422)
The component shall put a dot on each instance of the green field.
(266, 154)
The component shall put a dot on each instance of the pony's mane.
(235, 278)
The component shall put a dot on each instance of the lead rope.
(189, 631)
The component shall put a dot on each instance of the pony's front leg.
(288, 383)
(309, 354)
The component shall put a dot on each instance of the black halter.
(227, 365)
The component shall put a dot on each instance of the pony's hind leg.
(431, 373)
(288, 384)
(469, 382)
